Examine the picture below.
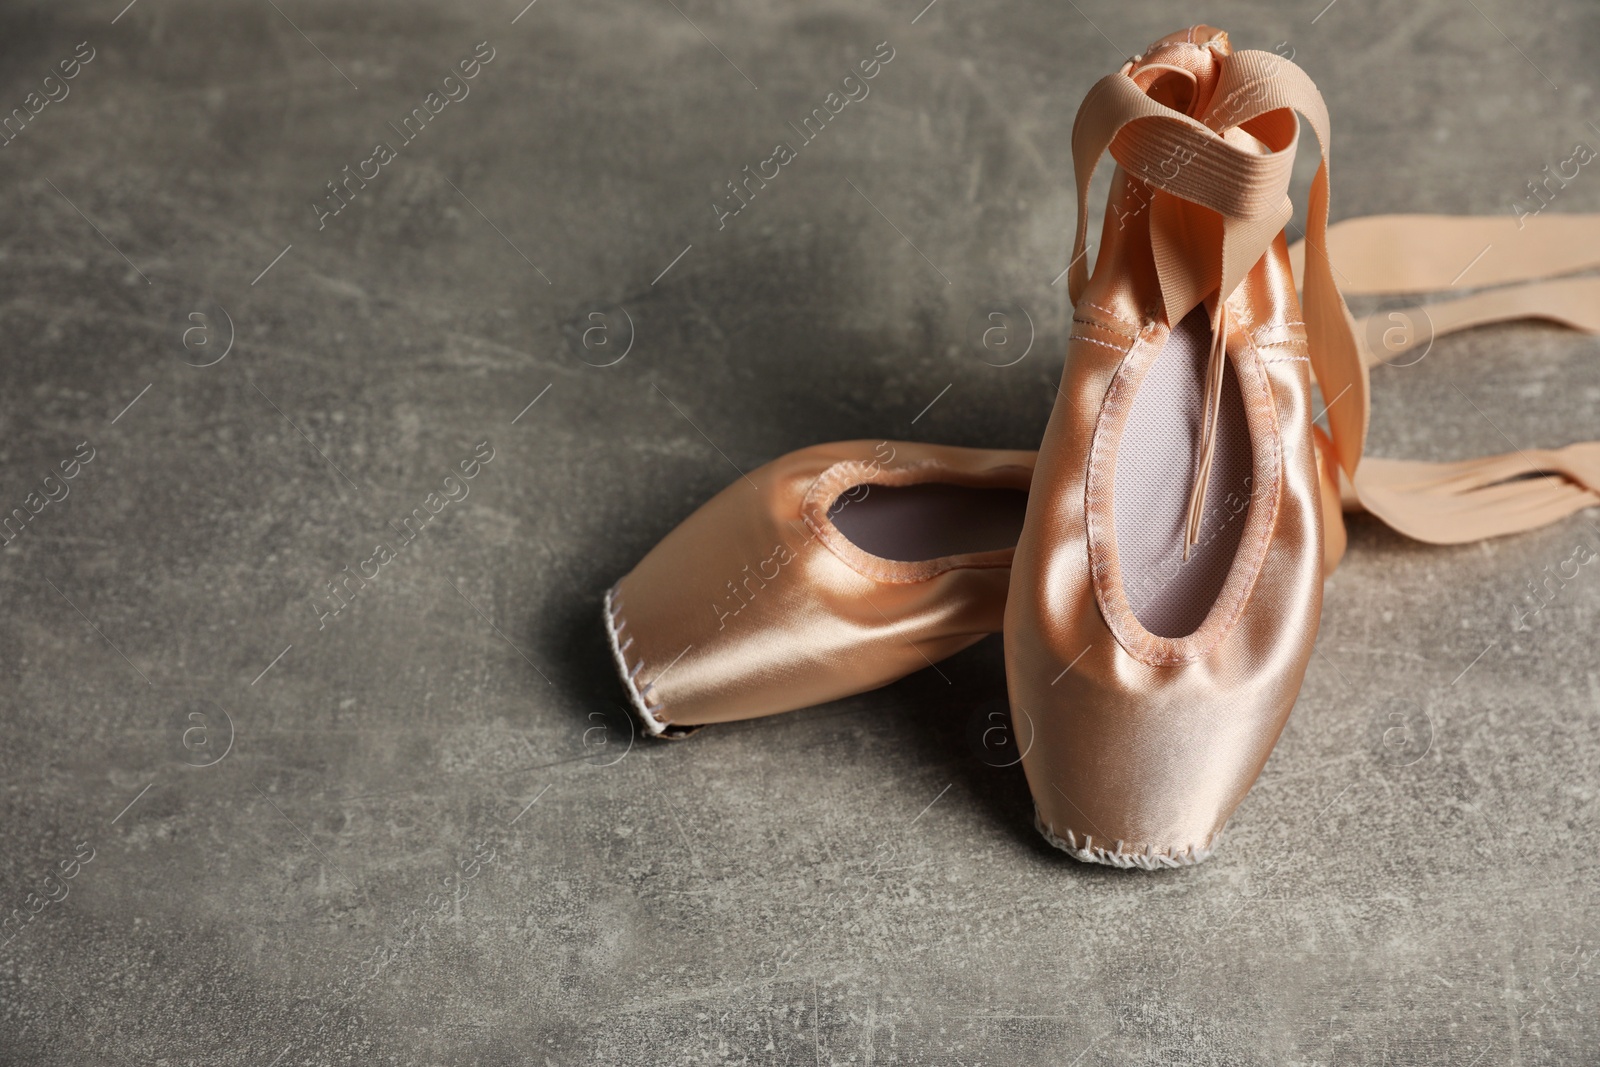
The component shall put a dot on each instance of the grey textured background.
(772, 892)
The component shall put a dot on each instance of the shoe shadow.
(956, 717)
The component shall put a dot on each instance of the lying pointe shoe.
(830, 571)
(1167, 584)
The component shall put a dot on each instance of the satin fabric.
(758, 604)
(1142, 745)
(1443, 503)
(1490, 496)
(1143, 748)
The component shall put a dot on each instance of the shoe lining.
(929, 520)
(1156, 461)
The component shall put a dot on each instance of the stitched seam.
(1115, 316)
(1149, 857)
(1289, 333)
(615, 624)
(1263, 327)
(1102, 344)
(1127, 331)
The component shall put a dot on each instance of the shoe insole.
(931, 520)
(1156, 462)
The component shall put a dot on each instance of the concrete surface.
(359, 878)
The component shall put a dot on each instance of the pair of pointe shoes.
(1157, 566)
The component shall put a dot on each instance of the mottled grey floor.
(359, 878)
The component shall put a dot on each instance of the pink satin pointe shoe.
(1167, 584)
(825, 573)
(1168, 580)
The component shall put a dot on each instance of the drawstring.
(1215, 366)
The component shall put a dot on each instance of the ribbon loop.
(1218, 187)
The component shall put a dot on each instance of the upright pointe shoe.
(1168, 580)
(829, 571)
(1167, 584)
